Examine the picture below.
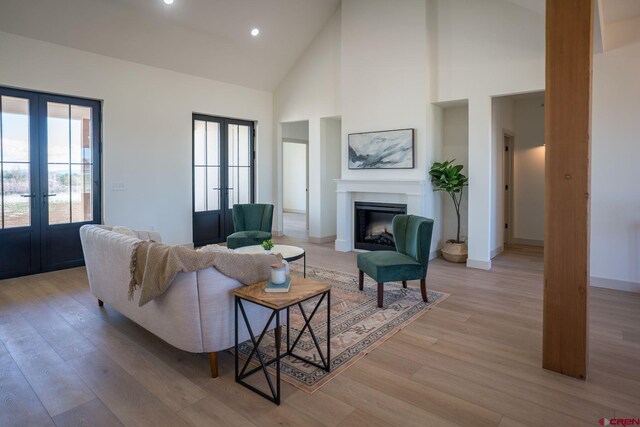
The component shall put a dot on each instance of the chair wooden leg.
(380, 294)
(213, 362)
(100, 303)
(404, 283)
(423, 289)
(361, 279)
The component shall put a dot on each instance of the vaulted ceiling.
(207, 38)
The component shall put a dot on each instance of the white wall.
(488, 47)
(615, 171)
(384, 76)
(528, 171)
(297, 131)
(485, 49)
(294, 177)
(330, 132)
(146, 126)
(455, 146)
(310, 92)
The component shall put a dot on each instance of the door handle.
(28, 195)
(48, 195)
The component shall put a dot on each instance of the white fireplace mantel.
(413, 192)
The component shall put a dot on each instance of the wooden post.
(569, 55)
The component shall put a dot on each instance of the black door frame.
(225, 223)
(41, 249)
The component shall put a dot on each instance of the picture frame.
(388, 149)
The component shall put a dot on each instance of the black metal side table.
(301, 290)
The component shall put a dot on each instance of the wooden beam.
(569, 55)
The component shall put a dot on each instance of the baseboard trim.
(527, 242)
(321, 240)
(618, 285)
(497, 251)
(295, 211)
(343, 245)
(479, 264)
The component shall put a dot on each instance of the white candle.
(278, 273)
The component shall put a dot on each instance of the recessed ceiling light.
(254, 32)
(168, 1)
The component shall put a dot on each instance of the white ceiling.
(207, 38)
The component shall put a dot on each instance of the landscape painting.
(391, 149)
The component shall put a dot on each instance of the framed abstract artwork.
(389, 149)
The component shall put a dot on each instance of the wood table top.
(301, 289)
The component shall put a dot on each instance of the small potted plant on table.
(267, 245)
(448, 177)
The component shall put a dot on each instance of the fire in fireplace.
(372, 226)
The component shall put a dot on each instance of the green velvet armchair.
(412, 235)
(252, 224)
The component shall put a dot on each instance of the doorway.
(296, 188)
(50, 179)
(223, 174)
(507, 174)
(295, 179)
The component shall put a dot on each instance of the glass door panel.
(19, 224)
(15, 167)
(69, 154)
(240, 164)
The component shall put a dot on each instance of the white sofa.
(196, 313)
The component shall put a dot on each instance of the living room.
(142, 91)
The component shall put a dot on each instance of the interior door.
(69, 177)
(223, 175)
(50, 179)
(19, 222)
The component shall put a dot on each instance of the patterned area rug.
(357, 325)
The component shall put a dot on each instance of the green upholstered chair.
(252, 224)
(412, 235)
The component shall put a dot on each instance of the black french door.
(49, 179)
(223, 174)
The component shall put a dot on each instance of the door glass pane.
(58, 132)
(244, 189)
(244, 146)
(70, 161)
(199, 129)
(15, 129)
(213, 188)
(15, 182)
(81, 203)
(200, 188)
(231, 179)
(80, 134)
(213, 144)
(58, 200)
(233, 145)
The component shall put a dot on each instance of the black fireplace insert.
(372, 227)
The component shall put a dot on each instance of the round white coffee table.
(288, 252)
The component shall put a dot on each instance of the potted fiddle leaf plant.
(447, 177)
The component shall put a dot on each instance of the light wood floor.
(473, 360)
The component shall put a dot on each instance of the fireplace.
(372, 225)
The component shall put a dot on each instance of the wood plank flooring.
(473, 360)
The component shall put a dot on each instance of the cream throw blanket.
(154, 266)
